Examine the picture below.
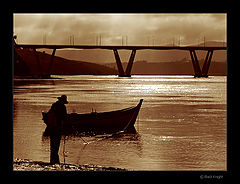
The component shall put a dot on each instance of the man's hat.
(63, 98)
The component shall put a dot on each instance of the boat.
(99, 122)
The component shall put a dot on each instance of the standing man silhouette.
(56, 115)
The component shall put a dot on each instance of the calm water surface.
(181, 126)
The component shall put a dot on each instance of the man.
(56, 115)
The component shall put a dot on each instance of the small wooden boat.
(103, 122)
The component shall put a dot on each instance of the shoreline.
(29, 165)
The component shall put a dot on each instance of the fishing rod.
(64, 149)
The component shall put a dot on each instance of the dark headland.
(26, 64)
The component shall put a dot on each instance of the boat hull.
(97, 123)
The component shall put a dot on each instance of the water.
(181, 126)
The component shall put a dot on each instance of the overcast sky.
(117, 29)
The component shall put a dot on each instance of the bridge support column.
(195, 62)
(42, 74)
(51, 62)
(197, 70)
(121, 72)
(130, 63)
(119, 64)
(38, 63)
(207, 63)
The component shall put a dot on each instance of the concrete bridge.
(198, 72)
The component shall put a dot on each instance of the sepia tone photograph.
(120, 92)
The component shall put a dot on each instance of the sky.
(119, 29)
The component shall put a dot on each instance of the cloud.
(139, 28)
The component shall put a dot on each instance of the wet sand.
(29, 165)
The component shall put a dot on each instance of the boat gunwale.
(114, 111)
(108, 114)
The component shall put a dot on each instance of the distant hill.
(25, 63)
(213, 44)
(181, 67)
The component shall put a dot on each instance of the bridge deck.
(112, 47)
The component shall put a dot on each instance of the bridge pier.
(206, 64)
(130, 63)
(40, 74)
(127, 72)
(119, 63)
(43, 74)
(195, 62)
(51, 62)
(198, 72)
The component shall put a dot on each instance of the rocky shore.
(29, 165)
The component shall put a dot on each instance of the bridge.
(198, 71)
